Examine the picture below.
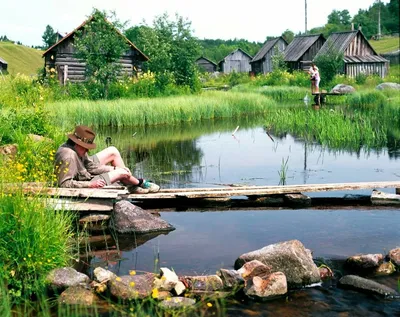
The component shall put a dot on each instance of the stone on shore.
(365, 285)
(66, 277)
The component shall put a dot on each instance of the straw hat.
(83, 136)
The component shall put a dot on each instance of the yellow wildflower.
(132, 284)
(133, 272)
(118, 279)
(154, 293)
(209, 304)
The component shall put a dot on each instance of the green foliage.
(49, 37)
(33, 240)
(278, 60)
(330, 63)
(100, 47)
(172, 49)
(288, 35)
(216, 50)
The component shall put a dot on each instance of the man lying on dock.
(74, 168)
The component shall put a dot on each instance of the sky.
(26, 20)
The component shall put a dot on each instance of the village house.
(3, 65)
(237, 61)
(262, 62)
(206, 65)
(359, 55)
(61, 57)
(302, 50)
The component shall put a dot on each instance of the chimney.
(352, 26)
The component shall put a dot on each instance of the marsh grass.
(168, 110)
(337, 129)
(283, 171)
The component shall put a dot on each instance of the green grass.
(166, 110)
(386, 45)
(21, 59)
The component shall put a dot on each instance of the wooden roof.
(71, 34)
(205, 58)
(341, 41)
(364, 59)
(233, 52)
(266, 48)
(300, 44)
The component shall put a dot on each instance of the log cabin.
(61, 57)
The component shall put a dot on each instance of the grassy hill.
(21, 59)
(386, 45)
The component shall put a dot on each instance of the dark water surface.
(206, 155)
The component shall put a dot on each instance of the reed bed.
(335, 128)
(168, 110)
(277, 93)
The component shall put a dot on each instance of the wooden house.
(237, 61)
(262, 62)
(206, 65)
(3, 65)
(359, 55)
(61, 57)
(302, 50)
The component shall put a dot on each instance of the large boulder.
(394, 256)
(130, 218)
(266, 287)
(385, 86)
(130, 287)
(342, 89)
(289, 257)
(78, 295)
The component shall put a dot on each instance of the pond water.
(206, 155)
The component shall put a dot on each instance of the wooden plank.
(381, 198)
(100, 205)
(261, 190)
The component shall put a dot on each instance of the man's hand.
(99, 183)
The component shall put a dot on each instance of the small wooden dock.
(86, 199)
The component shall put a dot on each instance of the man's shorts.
(104, 176)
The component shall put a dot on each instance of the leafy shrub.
(330, 63)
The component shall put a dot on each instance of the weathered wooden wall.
(237, 61)
(267, 66)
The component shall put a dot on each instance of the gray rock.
(365, 261)
(385, 86)
(78, 295)
(204, 282)
(394, 256)
(129, 287)
(9, 149)
(66, 277)
(130, 218)
(365, 285)
(231, 278)
(254, 268)
(289, 257)
(342, 89)
(177, 302)
(103, 275)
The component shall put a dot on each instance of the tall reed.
(168, 110)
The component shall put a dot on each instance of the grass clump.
(33, 240)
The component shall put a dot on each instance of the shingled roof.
(266, 48)
(300, 44)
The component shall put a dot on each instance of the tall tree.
(172, 50)
(49, 37)
(100, 46)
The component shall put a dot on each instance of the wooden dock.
(87, 199)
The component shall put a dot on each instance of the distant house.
(237, 61)
(61, 57)
(262, 62)
(3, 65)
(359, 55)
(302, 50)
(206, 65)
